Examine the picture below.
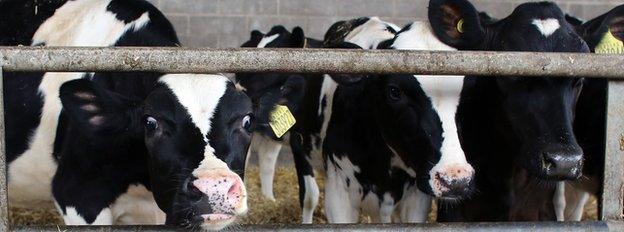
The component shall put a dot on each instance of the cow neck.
(490, 131)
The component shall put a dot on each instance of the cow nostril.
(234, 189)
(194, 193)
(548, 163)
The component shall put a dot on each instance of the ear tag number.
(460, 26)
(281, 120)
(610, 44)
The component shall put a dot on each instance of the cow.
(120, 148)
(307, 96)
(391, 143)
(516, 131)
(603, 35)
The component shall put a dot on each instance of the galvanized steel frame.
(184, 60)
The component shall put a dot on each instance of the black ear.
(456, 23)
(99, 112)
(574, 21)
(386, 44)
(344, 45)
(605, 34)
(346, 79)
(298, 38)
(486, 19)
(254, 39)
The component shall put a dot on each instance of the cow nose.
(561, 165)
(454, 181)
(225, 194)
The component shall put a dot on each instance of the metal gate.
(185, 60)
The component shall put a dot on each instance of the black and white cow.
(604, 34)
(98, 143)
(392, 141)
(516, 131)
(308, 96)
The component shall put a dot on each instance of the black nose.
(456, 188)
(562, 165)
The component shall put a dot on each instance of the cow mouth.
(217, 221)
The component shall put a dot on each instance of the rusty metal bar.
(613, 183)
(435, 227)
(4, 202)
(187, 60)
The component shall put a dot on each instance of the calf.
(603, 34)
(516, 131)
(308, 97)
(98, 143)
(392, 143)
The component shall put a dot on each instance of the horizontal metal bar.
(187, 60)
(435, 227)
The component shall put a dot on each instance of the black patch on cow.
(508, 125)
(19, 19)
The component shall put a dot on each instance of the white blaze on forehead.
(267, 40)
(444, 93)
(200, 95)
(546, 26)
(371, 33)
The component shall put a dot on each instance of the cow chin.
(214, 222)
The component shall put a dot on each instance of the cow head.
(196, 129)
(269, 89)
(412, 129)
(452, 176)
(366, 32)
(538, 111)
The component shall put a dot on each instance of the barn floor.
(285, 210)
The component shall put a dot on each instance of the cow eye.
(151, 124)
(394, 93)
(246, 123)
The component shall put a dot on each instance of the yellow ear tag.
(281, 120)
(609, 44)
(460, 26)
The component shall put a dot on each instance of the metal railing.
(185, 60)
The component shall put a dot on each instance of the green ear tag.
(610, 44)
(460, 26)
(281, 120)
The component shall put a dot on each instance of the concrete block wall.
(227, 23)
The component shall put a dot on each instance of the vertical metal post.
(613, 184)
(4, 201)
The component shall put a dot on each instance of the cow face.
(538, 111)
(196, 129)
(412, 129)
(268, 89)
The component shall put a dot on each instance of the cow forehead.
(199, 94)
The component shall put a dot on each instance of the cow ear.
(574, 21)
(292, 90)
(605, 34)
(346, 79)
(298, 38)
(254, 39)
(99, 112)
(486, 18)
(345, 45)
(456, 23)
